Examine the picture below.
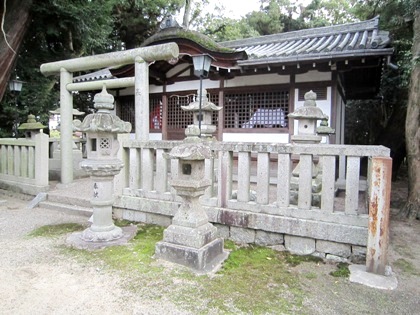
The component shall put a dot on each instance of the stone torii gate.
(141, 57)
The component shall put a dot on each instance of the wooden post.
(379, 203)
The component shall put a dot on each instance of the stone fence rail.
(24, 164)
(249, 199)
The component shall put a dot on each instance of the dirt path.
(36, 278)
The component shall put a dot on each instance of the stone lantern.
(102, 164)
(77, 152)
(191, 239)
(32, 127)
(203, 116)
(307, 117)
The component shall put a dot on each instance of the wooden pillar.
(379, 203)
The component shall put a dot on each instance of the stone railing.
(24, 164)
(249, 198)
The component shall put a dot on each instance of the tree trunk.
(411, 209)
(15, 24)
(187, 13)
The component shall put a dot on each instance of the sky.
(237, 8)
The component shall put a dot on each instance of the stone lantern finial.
(31, 127)
(103, 101)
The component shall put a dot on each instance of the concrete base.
(202, 260)
(75, 239)
(358, 274)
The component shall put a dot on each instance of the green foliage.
(63, 29)
(329, 12)
(342, 271)
(224, 29)
(253, 279)
(137, 20)
(56, 230)
(295, 260)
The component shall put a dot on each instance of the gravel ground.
(36, 278)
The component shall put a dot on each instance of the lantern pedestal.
(191, 239)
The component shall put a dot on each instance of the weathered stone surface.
(279, 248)
(299, 245)
(158, 219)
(309, 228)
(242, 236)
(135, 216)
(336, 258)
(191, 237)
(263, 238)
(201, 260)
(358, 250)
(358, 255)
(333, 248)
(76, 240)
(358, 274)
(318, 254)
(223, 231)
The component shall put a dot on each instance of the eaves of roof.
(325, 43)
(314, 57)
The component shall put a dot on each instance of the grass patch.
(253, 280)
(295, 260)
(310, 275)
(342, 271)
(137, 255)
(406, 267)
(56, 230)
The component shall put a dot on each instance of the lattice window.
(105, 143)
(127, 111)
(177, 118)
(105, 146)
(214, 98)
(256, 110)
(321, 92)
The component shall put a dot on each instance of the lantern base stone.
(202, 260)
(79, 241)
(190, 237)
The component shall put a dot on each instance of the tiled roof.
(102, 74)
(323, 43)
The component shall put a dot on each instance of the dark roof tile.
(338, 41)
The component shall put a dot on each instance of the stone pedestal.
(191, 240)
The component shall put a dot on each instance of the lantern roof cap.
(31, 124)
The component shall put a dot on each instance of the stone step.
(67, 208)
(75, 200)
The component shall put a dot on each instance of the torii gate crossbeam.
(139, 56)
